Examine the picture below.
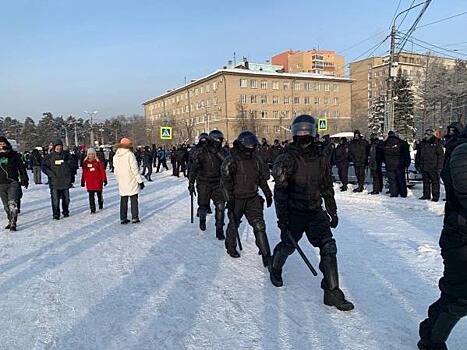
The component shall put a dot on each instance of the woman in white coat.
(130, 181)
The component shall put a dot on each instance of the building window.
(253, 84)
(335, 101)
(317, 87)
(275, 114)
(335, 87)
(264, 115)
(264, 84)
(202, 89)
(253, 99)
(307, 86)
(306, 100)
(275, 85)
(214, 86)
(275, 100)
(243, 83)
(286, 100)
(326, 100)
(208, 88)
(196, 92)
(296, 100)
(264, 99)
(277, 129)
(242, 99)
(317, 101)
(214, 101)
(286, 86)
(326, 87)
(297, 86)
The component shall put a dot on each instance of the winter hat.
(5, 140)
(91, 151)
(391, 133)
(357, 132)
(125, 141)
(58, 143)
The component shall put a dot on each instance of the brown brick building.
(312, 61)
(233, 100)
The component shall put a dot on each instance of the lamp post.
(90, 115)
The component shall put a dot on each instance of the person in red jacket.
(94, 178)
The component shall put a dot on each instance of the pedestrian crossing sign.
(166, 133)
(322, 124)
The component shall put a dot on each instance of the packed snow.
(88, 282)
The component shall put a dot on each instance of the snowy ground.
(87, 282)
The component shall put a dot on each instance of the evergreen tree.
(404, 107)
(376, 116)
(28, 137)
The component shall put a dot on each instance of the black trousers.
(343, 172)
(124, 207)
(431, 184)
(397, 182)
(64, 197)
(181, 167)
(164, 164)
(92, 200)
(174, 169)
(8, 194)
(252, 208)
(318, 232)
(444, 314)
(148, 168)
(377, 175)
(206, 192)
(360, 174)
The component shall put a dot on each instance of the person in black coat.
(358, 154)
(328, 149)
(397, 159)
(429, 161)
(182, 160)
(12, 175)
(35, 163)
(446, 312)
(375, 163)
(341, 159)
(242, 172)
(148, 158)
(302, 181)
(60, 169)
(276, 151)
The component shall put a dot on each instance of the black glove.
(105, 182)
(230, 205)
(191, 188)
(25, 183)
(141, 185)
(82, 183)
(283, 224)
(334, 221)
(268, 201)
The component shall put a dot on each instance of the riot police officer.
(205, 170)
(242, 173)
(302, 180)
(444, 314)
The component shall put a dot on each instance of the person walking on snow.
(130, 181)
(94, 178)
(12, 173)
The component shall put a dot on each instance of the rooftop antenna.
(235, 59)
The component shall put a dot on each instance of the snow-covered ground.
(87, 282)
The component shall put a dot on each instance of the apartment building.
(233, 100)
(312, 61)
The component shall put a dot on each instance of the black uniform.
(276, 150)
(397, 159)
(375, 163)
(341, 159)
(452, 305)
(429, 161)
(148, 157)
(182, 160)
(242, 172)
(205, 169)
(302, 180)
(328, 149)
(358, 153)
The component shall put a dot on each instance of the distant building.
(311, 61)
(263, 101)
(370, 77)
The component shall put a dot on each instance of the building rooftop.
(243, 71)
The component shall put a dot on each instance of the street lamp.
(91, 114)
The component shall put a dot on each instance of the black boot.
(281, 252)
(202, 219)
(266, 261)
(336, 298)
(220, 234)
(233, 253)
(276, 276)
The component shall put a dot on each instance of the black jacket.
(241, 174)
(396, 153)
(376, 157)
(358, 152)
(12, 168)
(35, 159)
(60, 169)
(205, 164)
(430, 155)
(264, 152)
(276, 150)
(341, 155)
(302, 180)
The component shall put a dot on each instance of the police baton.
(302, 254)
(192, 207)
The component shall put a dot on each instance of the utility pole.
(392, 66)
(76, 135)
(91, 114)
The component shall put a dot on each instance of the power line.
(403, 19)
(440, 48)
(395, 13)
(443, 19)
(361, 42)
(414, 25)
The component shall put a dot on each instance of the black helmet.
(455, 128)
(203, 137)
(216, 135)
(304, 125)
(247, 139)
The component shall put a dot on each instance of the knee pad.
(259, 226)
(328, 248)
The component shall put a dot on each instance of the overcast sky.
(67, 56)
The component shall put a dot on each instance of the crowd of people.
(230, 178)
